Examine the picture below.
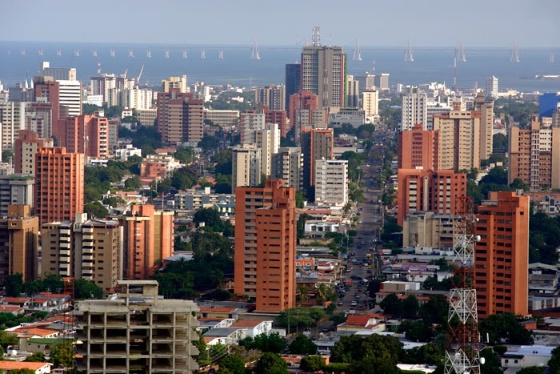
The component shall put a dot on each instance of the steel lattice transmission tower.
(462, 356)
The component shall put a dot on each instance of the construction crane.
(139, 75)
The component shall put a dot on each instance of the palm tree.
(321, 292)
(303, 293)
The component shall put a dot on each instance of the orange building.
(88, 135)
(429, 191)
(48, 90)
(418, 148)
(148, 238)
(59, 184)
(19, 243)
(266, 219)
(28, 144)
(279, 117)
(502, 254)
(305, 100)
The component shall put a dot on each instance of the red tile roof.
(247, 323)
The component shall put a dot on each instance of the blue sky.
(478, 23)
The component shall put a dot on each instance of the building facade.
(27, 145)
(316, 144)
(502, 254)
(323, 72)
(59, 184)
(331, 182)
(179, 117)
(16, 189)
(414, 109)
(418, 148)
(287, 165)
(246, 166)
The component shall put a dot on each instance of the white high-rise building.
(268, 140)
(137, 98)
(12, 119)
(246, 166)
(370, 103)
(249, 122)
(414, 109)
(70, 98)
(331, 182)
(492, 86)
(175, 82)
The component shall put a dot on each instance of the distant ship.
(112, 53)
(166, 53)
(203, 54)
(77, 53)
(185, 54)
(547, 77)
(221, 54)
(94, 53)
(149, 53)
(59, 52)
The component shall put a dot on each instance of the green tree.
(202, 358)
(21, 371)
(554, 362)
(391, 305)
(505, 327)
(499, 142)
(132, 183)
(410, 307)
(89, 108)
(36, 357)
(234, 364)
(62, 354)
(355, 347)
(373, 365)
(531, 370)
(86, 289)
(417, 331)
(300, 200)
(14, 285)
(435, 309)
(95, 210)
(492, 364)
(271, 363)
(270, 343)
(518, 184)
(311, 363)
(184, 155)
(302, 345)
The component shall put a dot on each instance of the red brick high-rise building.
(316, 144)
(88, 135)
(418, 148)
(265, 245)
(180, 117)
(429, 191)
(59, 184)
(502, 254)
(47, 90)
(148, 238)
(27, 145)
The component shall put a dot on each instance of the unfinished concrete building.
(134, 331)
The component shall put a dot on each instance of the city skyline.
(475, 23)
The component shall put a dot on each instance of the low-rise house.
(225, 336)
(253, 327)
(206, 324)
(518, 357)
(363, 322)
(218, 312)
(34, 367)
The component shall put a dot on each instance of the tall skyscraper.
(331, 182)
(47, 91)
(265, 245)
(323, 73)
(246, 166)
(180, 117)
(70, 97)
(287, 165)
(492, 86)
(370, 103)
(502, 254)
(148, 238)
(59, 184)
(316, 144)
(12, 120)
(382, 82)
(429, 191)
(414, 109)
(292, 82)
(28, 144)
(352, 92)
(19, 243)
(486, 109)
(250, 121)
(534, 156)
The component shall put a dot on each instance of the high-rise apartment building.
(136, 331)
(427, 229)
(19, 243)
(502, 254)
(429, 191)
(82, 248)
(70, 97)
(246, 166)
(279, 117)
(292, 82)
(274, 97)
(486, 109)
(352, 92)
(268, 140)
(58, 74)
(59, 184)
(316, 144)
(250, 121)
(287, 165)
(414, 109)
(331, 182)
(370, 103)
(180, 117)
(534, 155)
(366, 82)
(12, 120)
(47, 91)
(382, 82)
(492, 86)
(38, 118)
(265, 245)
(323, 72)
(148, 238)
(418, 148)
(27, 145)
(305, 113)
(15, 189)
(179, 83)
(88, 135)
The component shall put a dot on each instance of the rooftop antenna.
(255, 53)
(514, 53)
(408, 53)
(316, 38)
(357, 52)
